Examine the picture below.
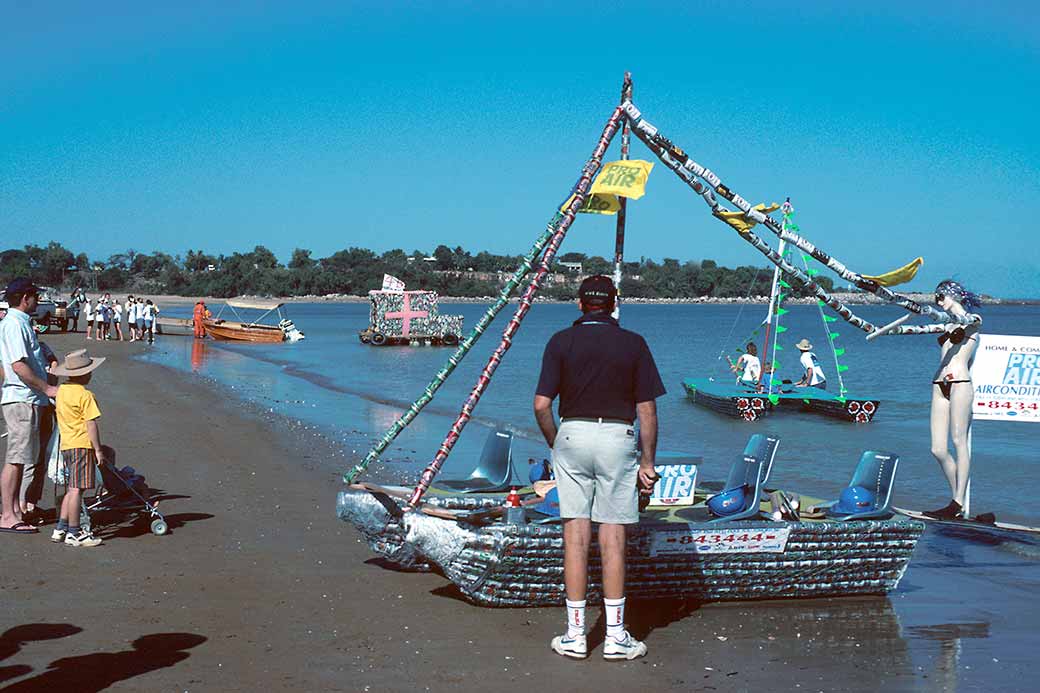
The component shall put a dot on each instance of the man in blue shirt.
(25, 401)
(605, 378)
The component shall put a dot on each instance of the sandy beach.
(259, 586)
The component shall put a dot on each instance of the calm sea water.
(332, 381)
(966, 609)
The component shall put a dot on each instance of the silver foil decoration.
(522, 565)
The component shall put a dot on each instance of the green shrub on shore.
(355, 271)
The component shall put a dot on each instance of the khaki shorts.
(23, 433)
(596, 472)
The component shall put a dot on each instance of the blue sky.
(897, 132)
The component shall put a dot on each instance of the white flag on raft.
(391, 283)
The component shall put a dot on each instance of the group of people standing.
(33, 404)
(104, 317)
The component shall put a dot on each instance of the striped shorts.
(80, 464)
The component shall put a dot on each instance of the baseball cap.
(597, 290)
(20, 285)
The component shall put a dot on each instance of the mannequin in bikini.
(953, 394)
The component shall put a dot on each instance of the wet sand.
(259, 586)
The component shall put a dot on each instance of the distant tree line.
(451, 272)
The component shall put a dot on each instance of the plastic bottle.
(515, 512)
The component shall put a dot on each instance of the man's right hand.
(51, 391)
(648, 477)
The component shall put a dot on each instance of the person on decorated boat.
(748, 366)
(953, 395)
(605, 377)
(813, 376)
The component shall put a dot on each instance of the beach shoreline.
(854, 299)
(259, 586)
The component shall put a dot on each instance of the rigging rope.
(729, 336)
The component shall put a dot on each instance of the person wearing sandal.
(25, 395)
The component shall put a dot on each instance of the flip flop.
(25, 528)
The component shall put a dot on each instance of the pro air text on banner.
(626, 178)
(676, 484)
(596, 204)
(1006, 375)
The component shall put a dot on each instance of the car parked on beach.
(45, 309)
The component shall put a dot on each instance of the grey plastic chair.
(493, 473)
(876, 472)
(751, 470)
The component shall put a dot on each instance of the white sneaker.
(568, 646)
(626, 647)
(58, 536)
(84, 538)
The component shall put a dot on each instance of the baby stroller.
(119, 489)
(123, 489)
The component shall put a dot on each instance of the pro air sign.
(675, 487)
(1006, 376)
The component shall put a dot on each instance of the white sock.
(614, 610)
(575, 618)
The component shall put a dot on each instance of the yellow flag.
(626, 178)
(596, 204)
(741, 223)
(898, 276)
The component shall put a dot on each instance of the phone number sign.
(697, 539)
(1006, 377)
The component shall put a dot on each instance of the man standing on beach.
(25, 401)
(605, 377)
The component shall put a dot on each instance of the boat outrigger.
(761, 549)
(254, 330)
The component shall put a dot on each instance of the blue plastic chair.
(751, 470)
(876, 472)
(493, 473)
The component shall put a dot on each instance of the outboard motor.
(289, 330)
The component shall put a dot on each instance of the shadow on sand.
(92, 672)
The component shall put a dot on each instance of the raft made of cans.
(409, 318)
(746, 403)
(672, 552)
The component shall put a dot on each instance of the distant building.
(574, 267)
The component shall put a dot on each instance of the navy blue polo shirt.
(599, 370)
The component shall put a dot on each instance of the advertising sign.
(698, 539)
(1006, 375)
(675, 487)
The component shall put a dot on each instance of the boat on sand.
(675, 551)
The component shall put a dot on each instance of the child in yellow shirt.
(81, 450)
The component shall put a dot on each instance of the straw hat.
(78, 362)
(803, 345)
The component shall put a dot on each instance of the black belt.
(597, 419)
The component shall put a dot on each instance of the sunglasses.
(939, 298)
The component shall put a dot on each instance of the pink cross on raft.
(407, 314)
